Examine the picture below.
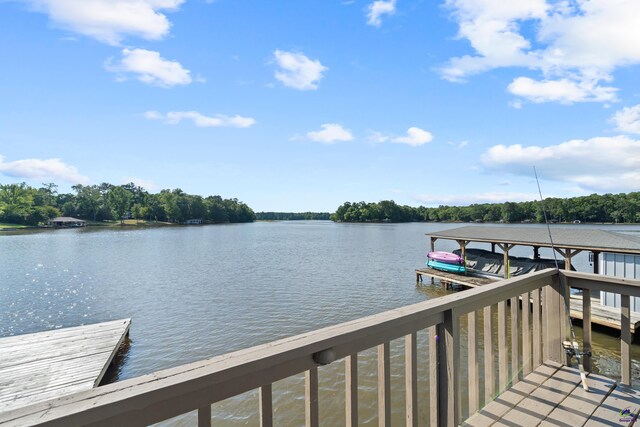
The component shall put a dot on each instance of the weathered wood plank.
(625, 339)
(586, 329)
(512, 397)
(515, 340)
(610, 412)
(384, 386)
(433, 376)
(473, 363)
(526, 334)
(44, 365)
(204, 416)
(542, 401)
(351, 392)
(537, 328)
(489, 369)
(602, 315)
(411, 379)
(266, 406)
(311, 412)
(580, 404)
(503, 350)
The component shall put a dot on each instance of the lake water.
(197, 292)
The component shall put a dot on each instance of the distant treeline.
(618, 208)
(22, 204)
(291, 216)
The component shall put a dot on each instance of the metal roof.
(573, 237)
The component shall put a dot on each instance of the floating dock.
(41, 366)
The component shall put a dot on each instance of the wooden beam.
(384, 386)
(449, 370)
(433, 376)
(351, 386)
(516, 374)
(204, 416)
(311, 398)
(625, 340)
(473, 363)
(411, 379)
(503, 350)
(266, 406)
(586, 329)
(489, 368)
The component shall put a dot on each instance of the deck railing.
(529, 310)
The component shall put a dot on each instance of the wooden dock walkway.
(552, 395)
(470, 280)
(37, 367)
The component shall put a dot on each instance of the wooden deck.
(552, 395)
(45, 365)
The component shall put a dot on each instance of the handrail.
(195, 386)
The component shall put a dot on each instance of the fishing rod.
(572, 347)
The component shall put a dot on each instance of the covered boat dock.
(567, 241)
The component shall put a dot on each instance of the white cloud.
(515, 103)
(377, 137)
(144, 183)
(627, 120)
(200, 120)
(109, 21)
(469, 199)
(150, 68)
(415, 137)
(575, 45)
(297, 71)
(564, 91)
(330, 133)
(46, 170)
(377, 9)
(604, 164)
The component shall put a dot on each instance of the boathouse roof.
(575, 237)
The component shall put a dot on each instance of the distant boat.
(446, 261)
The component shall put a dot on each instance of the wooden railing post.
(351, 386)
(204, 416)
(433, 376)
(384, 386)
(553, 313)
(311, 398)
(625, 339)
(411, 379)
(266, 406)
(449, 370)
(474, 383)
(515, 341)
(489, 369)
(586, 329)
(503, 350)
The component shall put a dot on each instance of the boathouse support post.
(505, 249)
(463, 249)
(536, 252)
(432, 248)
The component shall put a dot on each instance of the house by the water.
(67, 221)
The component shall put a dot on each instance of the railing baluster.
(526, 334)
(474, 385)
(503, 351)
(449, 396)
(311, 398)
(266, 406)
(625, 339)
(537, 339)
(351, 384)
(384, 386)
(515, 341)
(489, 378)
(586, 329)
(433, 376)
(204, 416)
(411, 378)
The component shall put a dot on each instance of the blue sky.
(295, 105)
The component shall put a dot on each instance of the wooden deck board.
(468, 280)
(552, 395)
(603, 315)
(609, 413)
(44, 365)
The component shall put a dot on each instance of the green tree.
(119, 201)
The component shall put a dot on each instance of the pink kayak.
(446, 257)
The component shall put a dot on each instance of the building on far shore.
(193, 221)
(67, 221)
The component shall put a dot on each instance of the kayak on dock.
(445, 257)
(445, 266)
